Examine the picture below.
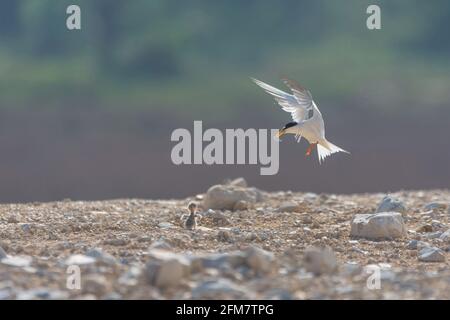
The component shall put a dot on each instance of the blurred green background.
(88, 114)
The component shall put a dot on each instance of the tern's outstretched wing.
(298, 106)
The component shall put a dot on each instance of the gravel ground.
(280, 245)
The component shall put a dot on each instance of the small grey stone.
(389, 204)
(319, 260)
(224, 236)
(100, 255)
(241, 205)
(416, 244)
(261, 261)
(436, 206)
(219, 219)
(160, 244)
(166, 269)
(220, 289)
(116, 242)
(433, 235)
(95, 284)
(431, 254)
(165, 225)
(232, 259)
(288, 207)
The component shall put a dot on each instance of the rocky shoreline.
(248, 244)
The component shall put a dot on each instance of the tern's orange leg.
(310, 148)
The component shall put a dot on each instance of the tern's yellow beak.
(280, 133)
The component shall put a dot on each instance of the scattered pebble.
(166, 269)
(288, 207)
(319, 260)
(431, 254)
(261, 261)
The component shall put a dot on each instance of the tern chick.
(190, 221)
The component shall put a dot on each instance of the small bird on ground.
(307, 119)
(190, 221)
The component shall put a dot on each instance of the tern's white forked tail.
(326, 148)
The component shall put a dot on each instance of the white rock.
(320, 260)
(17, 261)
(79, 259)
(166, 269)
(259, 260)
(384, 225)
(224, 197)
(389, 204)
(431, 254)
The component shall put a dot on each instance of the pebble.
(224, 236)
(160, 244)
(166, 269)
(79, 259)
(220, 289)
(384, 225)
(241, 205)
(116, 242)
(416, 244)
(431, 254)
(389, 204)
(227, 260)
(165, 225)
(425, 228)
(436, 206)
(219, 219)
(319, 260)
(261, 261)
(95, 284)
(433, 235)
(288, 207)
(100, 255)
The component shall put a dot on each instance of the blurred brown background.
(88, 114)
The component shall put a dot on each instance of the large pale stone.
(384, 225)
(224, 197)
